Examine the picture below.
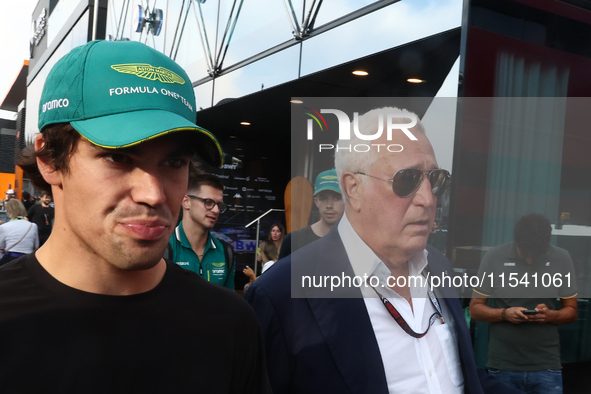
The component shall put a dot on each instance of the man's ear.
(186, 203)
(46, 169)
(352, 188)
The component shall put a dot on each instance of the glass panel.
(191, 53)
(122, 24)
(519, 156)
(270, 71)
(397, 24)
(262, 24)
(334, 9)
(203, 95)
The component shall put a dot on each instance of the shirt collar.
(364, 261)
(512, 254)
(182, 238)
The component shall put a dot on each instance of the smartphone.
(529, 312)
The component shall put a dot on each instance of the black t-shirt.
(28, 204)
(185, 335)
(42, 217)
(297, 240)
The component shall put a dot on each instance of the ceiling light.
(414, 80)
(245, 123)
(360, 73)
(238, 148)
(296, 101)
(233, 136)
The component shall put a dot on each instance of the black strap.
(228, 254)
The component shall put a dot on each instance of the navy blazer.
(324, 345)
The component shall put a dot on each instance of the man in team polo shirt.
(193, 246)
(524, 278)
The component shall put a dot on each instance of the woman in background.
(269, 253)
(277, 234)
(18, 236)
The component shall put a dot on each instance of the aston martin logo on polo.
(218, 265)
(147, 71)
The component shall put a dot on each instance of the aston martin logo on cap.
(147, 71)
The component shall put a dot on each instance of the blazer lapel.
(345, 324)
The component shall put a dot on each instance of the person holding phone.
(524, 345)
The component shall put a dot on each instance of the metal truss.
(301, 31)
(215, 52)
(215, 58)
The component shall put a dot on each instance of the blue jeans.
(548, 381)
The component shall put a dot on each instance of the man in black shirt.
(330, 204)
(42, 215)
(97, 309)
(28, 200)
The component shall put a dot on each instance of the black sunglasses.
(209, 203)
(408, 180)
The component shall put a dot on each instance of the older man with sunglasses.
(191, 245)
(348, 325)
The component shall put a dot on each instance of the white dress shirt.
(430, 364)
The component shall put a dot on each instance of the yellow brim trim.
(212, 138)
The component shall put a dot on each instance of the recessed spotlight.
(233, 136)
(238, 148)
(360, 73)
(415, 80)
(241, 156)
(296, 101)
(245, 123)
(264, 158)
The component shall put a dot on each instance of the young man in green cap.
(192, 245)
(97, 308)
(330, 204)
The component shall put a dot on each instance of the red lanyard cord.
(403, 324)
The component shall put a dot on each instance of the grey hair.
(15, 208)
(349, 160)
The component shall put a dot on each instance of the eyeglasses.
(408, 180)
(209, 203)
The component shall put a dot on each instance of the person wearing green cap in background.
(330, 204)
(97, 308)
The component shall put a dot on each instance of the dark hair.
(532, 234)
(60, 141)
(198, 180)
(26, 195)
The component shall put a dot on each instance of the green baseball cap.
(327, 180)
(121, 93)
